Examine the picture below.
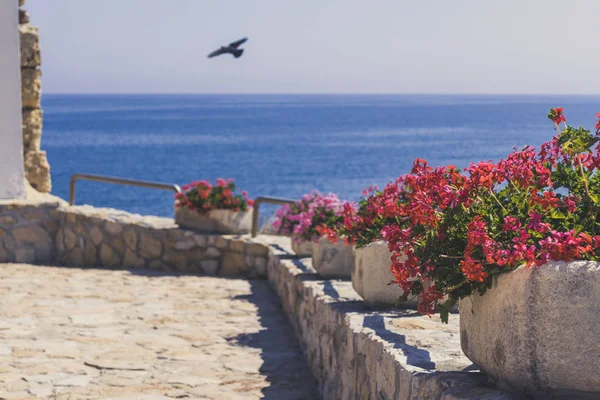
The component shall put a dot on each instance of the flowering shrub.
(310, 217)
(363, 224)
(458, 229)
(202, 197)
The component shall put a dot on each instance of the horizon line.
(313, 94)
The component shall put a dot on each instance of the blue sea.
(281, 145)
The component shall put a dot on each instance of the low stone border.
(359, 353)
(91, 236)
(27, 231)
(50, 232)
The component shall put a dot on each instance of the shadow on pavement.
(284, 364)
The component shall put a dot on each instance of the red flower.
(329, 233)
(549, 200)
(473, 270)
(556, 115)
(428, 299)
(510, 224)
(598, 123)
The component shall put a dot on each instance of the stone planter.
(371, 276)
(302, 247)
(536, 330)
(216, 221)
(332, 260)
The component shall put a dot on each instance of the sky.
(320, 46)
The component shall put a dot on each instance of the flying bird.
(232, 48)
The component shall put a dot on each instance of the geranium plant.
(363, 223)
(202, 197)
(458, 229)
(306, 218)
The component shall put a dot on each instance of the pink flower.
(511, 224)
(536, 223)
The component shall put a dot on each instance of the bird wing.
(235, 45)
(215, 53)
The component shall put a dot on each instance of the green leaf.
(444, 314)
(402, 299)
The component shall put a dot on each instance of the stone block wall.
(37, 169)
(89, 236)
(84, 236)
(27, 232)
(356, 352)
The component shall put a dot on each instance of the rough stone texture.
(113, 238)
(31, 87)
(371, 276)
(68, 334)
(27, 231)
(533, 330)
(354, 351)
(30, 44)
(216, 221)
(357, 353)
(32, 130)
(23, 17)
(47, 230)
(332, 260)
(301, 247)
(37, 171)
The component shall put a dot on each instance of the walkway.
(68, 333)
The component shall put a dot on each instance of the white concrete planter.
(371, 276)
(302, 247)
(536, 330)
(332, 260)
(215, 221)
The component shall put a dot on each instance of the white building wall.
(11, 139)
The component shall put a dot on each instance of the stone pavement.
(69, 333)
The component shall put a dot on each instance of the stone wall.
(37, 169)
(89, 236)
(358, 353)
(50, 231)
(27, 231)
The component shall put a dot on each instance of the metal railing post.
(72, 189)
(264, 199)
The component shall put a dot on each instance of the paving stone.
(130, 238)
(5, 349)
(92, 319)
(233, 264)
(31, 234)
(96, 235)
(90, 256)
(70, 239)
(150, 247)
(210, 267)
(7, 220)
(70, 333)
(114, 227)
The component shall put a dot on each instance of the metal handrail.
(118, 181)
(271, 200)
(168, 186)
